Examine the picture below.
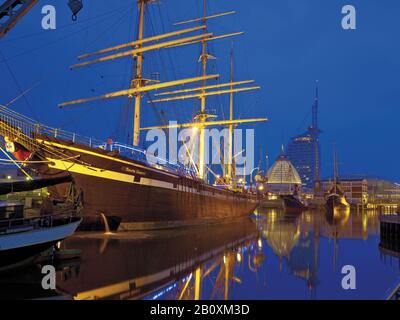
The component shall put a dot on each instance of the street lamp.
(251, 176)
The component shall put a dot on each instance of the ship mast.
(201, 119)
(139, 85)
(202, 116)
(335, 170)
(137, 82)
(230, 138)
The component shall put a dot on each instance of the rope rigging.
(17, 84)
(23, 130)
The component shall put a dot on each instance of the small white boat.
(22, 240)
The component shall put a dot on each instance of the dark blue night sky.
(287, 45)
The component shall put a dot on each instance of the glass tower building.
(304, 152)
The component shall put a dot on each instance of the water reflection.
(282, 232)
(275, 255)
(290, 238)
(165, 263)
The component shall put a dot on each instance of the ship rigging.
(118, 181)
(139, 85)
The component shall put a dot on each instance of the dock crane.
(12, 11)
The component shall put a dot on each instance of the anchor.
(75, 6)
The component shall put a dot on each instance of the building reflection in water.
(299, 249)
(224, 261)
(295, 238)
(206, 262)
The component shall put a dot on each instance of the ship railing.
(141, 155)
(70, 136)
(18, 123)
(44, 221)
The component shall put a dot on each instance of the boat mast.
(137, 82)
(334, 170)
(139, 85)
(230, 139)
(202, 117)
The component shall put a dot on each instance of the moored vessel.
(336, 201)
(293, 203)
(22, 239)
(126, 184)
(283, 186)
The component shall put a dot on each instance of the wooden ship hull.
(293, 204)
(136, 195)
(336, 201)
(288, 202)
(337, 209)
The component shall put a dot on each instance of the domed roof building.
(283, 176)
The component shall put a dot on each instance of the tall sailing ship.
(336, 201)
(117, 181)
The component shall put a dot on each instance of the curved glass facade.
(283, 172)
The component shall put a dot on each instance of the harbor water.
(272, 255)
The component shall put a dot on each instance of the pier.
(389, 245)
(390, 234)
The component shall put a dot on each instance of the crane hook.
(75, 6)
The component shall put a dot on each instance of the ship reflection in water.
(169, 264)
(275, 255)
